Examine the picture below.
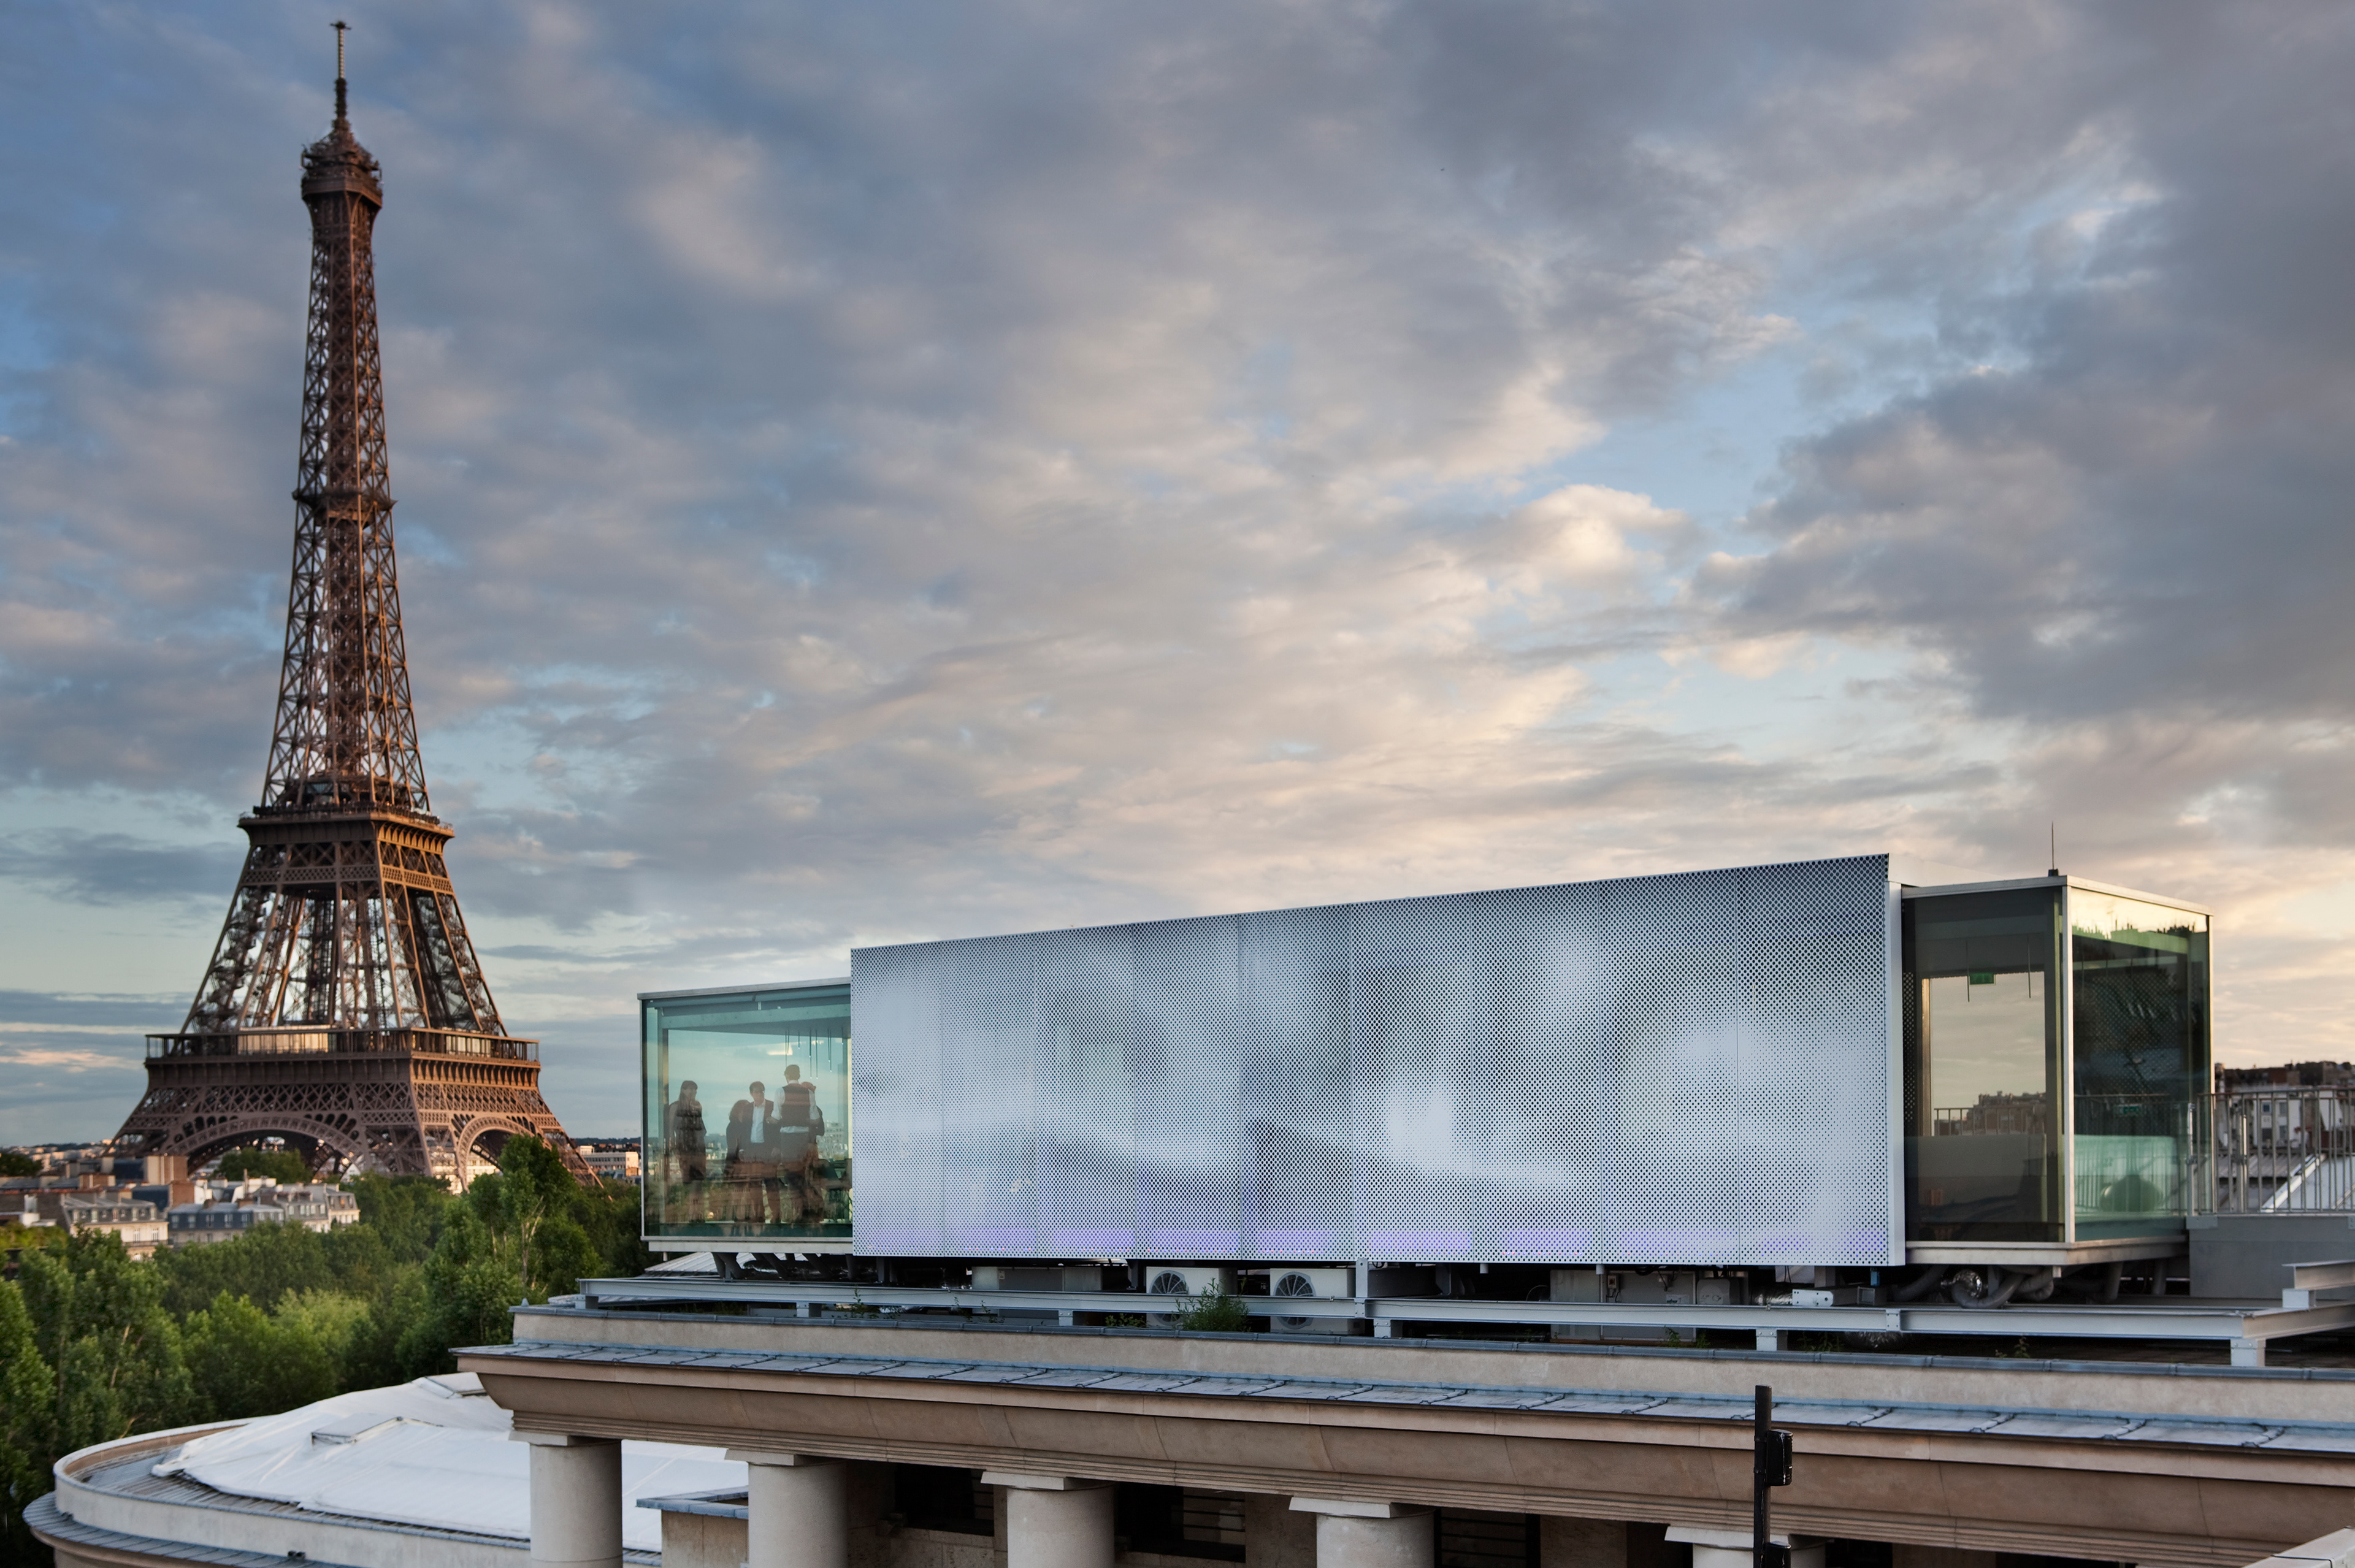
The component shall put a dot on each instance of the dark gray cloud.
(116, 868)
(36, 1010)
(2127, 528)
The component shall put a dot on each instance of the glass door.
(1982, 1141)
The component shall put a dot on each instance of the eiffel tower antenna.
(345, 1009)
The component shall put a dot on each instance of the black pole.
(1762, 1508)
(1770, 1467)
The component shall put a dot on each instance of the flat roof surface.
(432, 1457)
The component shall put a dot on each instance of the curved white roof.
(435, 1453)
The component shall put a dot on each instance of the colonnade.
(797, 1514)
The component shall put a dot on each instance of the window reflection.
(748, 1114)
(1982, 1151)
(2140, 974)
(1987, 1069)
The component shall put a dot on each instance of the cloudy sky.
(878, 471)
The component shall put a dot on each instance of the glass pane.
(1982, 1154)
(2141, 1013)
(747, 1114)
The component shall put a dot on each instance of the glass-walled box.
(2056, 1051)
(747, 1107)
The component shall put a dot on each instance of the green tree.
(27, 1398)
(14, 1162)
(564, 1257)
(470, 1283)
(372, 1358)
(549, 1229)
(524, 1197)
(277, 1164)
(261, 1265)
(113, 1353)
(609, 1213)
(244, 1362)
(359, 1262)
(332, 1318)
(405, 1212)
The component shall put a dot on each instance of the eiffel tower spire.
(345, 1008)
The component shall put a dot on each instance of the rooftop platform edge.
(2073, 1423)
(1861, 1359)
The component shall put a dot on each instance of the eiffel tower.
(345, 1010)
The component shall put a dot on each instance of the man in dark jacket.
(800, 1125)
(752, 1157)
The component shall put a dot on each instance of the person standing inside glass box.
(752, 1155)
(800, 1125)
(682, 1128)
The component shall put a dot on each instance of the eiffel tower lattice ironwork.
(345, 1009)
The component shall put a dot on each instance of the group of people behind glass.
(771, 1172)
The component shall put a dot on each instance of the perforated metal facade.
(1697, 1069)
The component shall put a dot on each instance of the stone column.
(1354, 1534)
(1054, 1521)
(576, 1501)
(796, 1510)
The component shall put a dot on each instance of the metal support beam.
(2176, 1318)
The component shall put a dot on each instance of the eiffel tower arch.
(345, 1009)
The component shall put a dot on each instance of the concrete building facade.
(233, 1209)
(139, 1226)
(880, 1444)
(1344, 1452)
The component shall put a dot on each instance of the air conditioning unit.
(1173, 1279)
(1328, 1283)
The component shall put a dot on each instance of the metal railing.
(311, 1038)
(1994, 1114)
(2285, 1151)
(2247, 1151)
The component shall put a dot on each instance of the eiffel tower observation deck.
(345, 1009)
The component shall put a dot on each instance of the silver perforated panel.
(1694, 1068)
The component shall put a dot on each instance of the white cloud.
(47, 1056)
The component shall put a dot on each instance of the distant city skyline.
(909, 471)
